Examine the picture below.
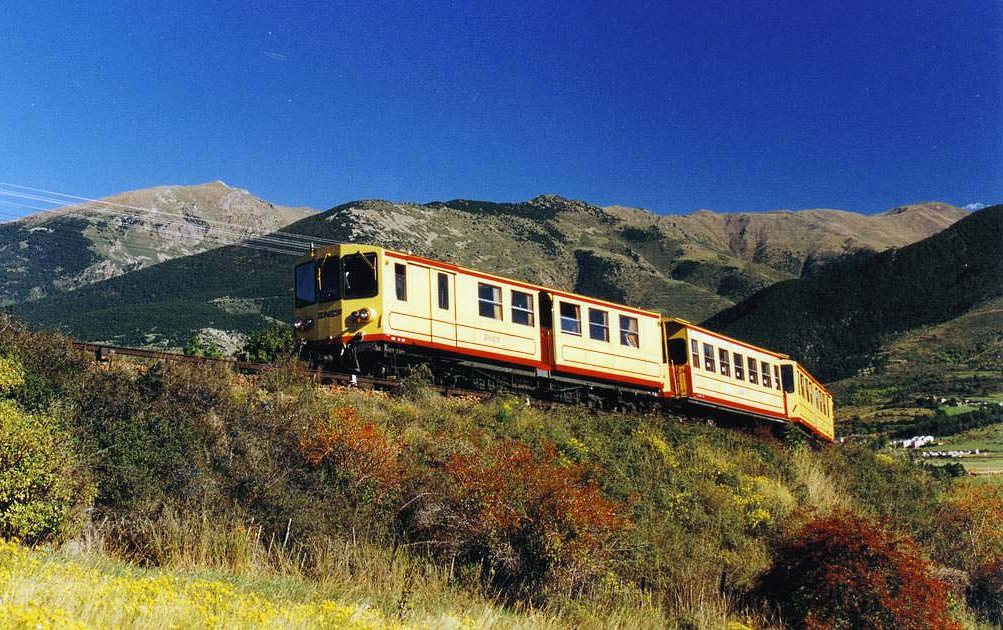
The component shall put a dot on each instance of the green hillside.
(52, 252)
(181, 493)
(838, 322)
(690, 266)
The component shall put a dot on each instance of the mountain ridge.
(676, 265)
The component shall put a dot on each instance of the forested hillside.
(837, 322)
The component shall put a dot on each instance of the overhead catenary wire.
(66, 199)
(238, 232)
(277, 241)
(66, 233)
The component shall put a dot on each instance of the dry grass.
(819, 491)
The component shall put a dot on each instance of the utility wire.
(65, 196)
(240, 233)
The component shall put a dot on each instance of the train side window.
(306, 284)
(722, 354)
(628, 332)
(571, 318)
(776, 376)
(766, 374)
(489, 302)
(739, 367)
(329, 287)
(695, 351)
(787, 371)
(522, 308)
(443, 291)
(708, 357)
(400, 281)
(598, 324)
(753, 378)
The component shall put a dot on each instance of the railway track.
(106, 354)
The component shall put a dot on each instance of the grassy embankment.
(421, 510)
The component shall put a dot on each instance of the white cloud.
(276, 56)
(975, 205)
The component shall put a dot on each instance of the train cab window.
(628, 332)
(329, 289)
(739, 367)
(522, 308)
(359, 273)
(753, 378)
(776, 376)
(306, 284)
(708, 358)
(766, 374)
(571, 318)
(489, 302)
(400, 281)
(695, 352)
(443, 281)
(722, 354)
(598, 324)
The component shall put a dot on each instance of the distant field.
(953, 411)
(988, 440)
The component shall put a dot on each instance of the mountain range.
(70, 247)
(690, 266)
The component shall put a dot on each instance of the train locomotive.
(370, 310)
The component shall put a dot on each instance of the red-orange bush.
(523, 518)
(970, 525)
(359, 450)
(842, 572)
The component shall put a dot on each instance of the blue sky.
(671, 106)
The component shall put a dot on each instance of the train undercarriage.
(397, 361)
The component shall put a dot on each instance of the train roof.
(706, 331)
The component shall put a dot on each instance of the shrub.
(985, 594)
(42, 487)
(11, 374)
(359, 450)
(842, 572)
(523, 518)
(268, 345)
(196, 347)
(969, 525)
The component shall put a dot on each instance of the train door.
(442, 307)
(677, 353)
(546, 328)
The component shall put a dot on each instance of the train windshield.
(306, 284)
(330, 280)
(359, 271)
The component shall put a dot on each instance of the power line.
(66, 233)
(65, 196)
(240, 233)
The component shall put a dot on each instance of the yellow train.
(376, 311)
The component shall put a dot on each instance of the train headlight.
(303, 324)
(363, 315)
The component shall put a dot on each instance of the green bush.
(11, 374)
(43, 488)
(269, 345)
